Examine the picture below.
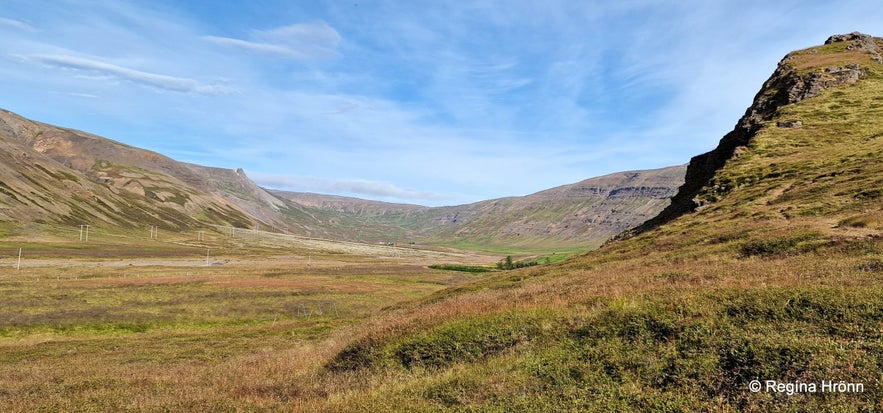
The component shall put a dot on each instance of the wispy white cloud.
(300, 41)
(159, 81)
(317, 34)
(265, 48)
(358, 187)
(77, 94)
(16, 24)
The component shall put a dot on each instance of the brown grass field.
(122, 323)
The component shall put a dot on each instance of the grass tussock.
(673, 352)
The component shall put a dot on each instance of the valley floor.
(143, 325)
(279, 331)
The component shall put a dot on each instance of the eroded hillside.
(59, 176)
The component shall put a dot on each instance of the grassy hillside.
(778, 277)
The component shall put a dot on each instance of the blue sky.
(427, 102)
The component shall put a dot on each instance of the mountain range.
(55, 175)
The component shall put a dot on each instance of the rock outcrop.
(800, 75)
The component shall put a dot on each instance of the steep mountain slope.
(581, 214)
(57, 175)
(236, 188)
(799, 76)
(775, 281)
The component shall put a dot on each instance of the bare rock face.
(860, 41)
(804, 87)
(789, 124)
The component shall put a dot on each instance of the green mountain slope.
(769, 268)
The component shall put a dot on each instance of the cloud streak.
(16, 24)
(159, 81)
(303, 41)
(357, 187)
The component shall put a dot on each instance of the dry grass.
(142, 333)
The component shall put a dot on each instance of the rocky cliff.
(799, 75)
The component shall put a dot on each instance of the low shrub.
(508, 264)
(781, 246)
(462, 268)
(465, 341)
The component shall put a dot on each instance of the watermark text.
(800, 387)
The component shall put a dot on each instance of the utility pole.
(19, 260)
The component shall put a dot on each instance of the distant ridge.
(581, 214)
